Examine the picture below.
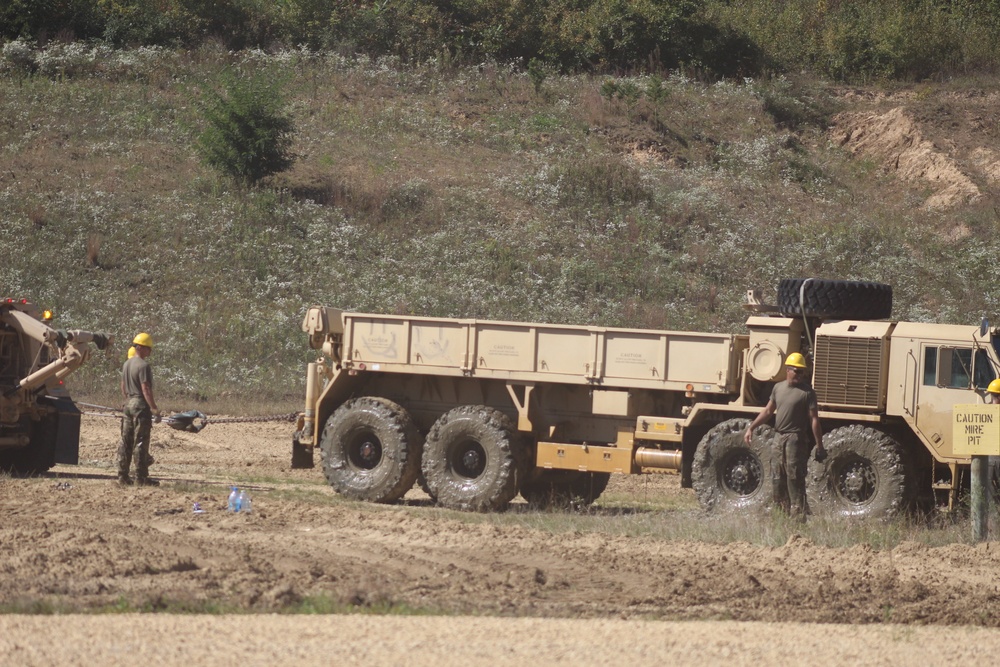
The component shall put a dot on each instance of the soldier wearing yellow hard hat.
(993, 392)
(140, 408)
(796, 415)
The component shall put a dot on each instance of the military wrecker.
(479, 411)
(39, 423)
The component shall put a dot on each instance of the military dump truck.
(479, 411)
(39, 424)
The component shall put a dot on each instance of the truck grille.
(850, 371)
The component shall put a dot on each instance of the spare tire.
(836, 299)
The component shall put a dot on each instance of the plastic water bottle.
(245, 504)
(234, 500)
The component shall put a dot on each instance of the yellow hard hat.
(131, 352)
(143, 339)
(796, 360)
(994, 387)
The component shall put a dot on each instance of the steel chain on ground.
(287, 417)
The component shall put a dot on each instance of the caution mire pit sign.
(976, 430)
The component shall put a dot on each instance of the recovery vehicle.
(39, 423)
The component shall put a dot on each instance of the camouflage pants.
(136, 425)
(789, 459)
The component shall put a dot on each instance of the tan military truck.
(479, 411)
(39, 423)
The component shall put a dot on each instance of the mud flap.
(302, 455)
(67, 449)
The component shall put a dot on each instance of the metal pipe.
(14, 441)
(312, 394)
(648, 457)
(980, 491)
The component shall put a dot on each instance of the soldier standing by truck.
(993, 392)
(140, 408)
(793, 404)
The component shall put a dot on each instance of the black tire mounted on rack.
(835, 299)
(473, 459)
(371, 450)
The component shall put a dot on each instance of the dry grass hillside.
(475, 191)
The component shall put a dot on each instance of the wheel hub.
(364, 452)
(743, 475)
(367, 452)
(471, 459)
(468, 459)
(856, 482)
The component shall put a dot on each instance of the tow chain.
(287, 417)
(183, 420)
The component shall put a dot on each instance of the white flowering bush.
(18, 56)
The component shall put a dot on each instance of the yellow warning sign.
(976, 430)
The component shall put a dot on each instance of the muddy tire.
(564, 488)
(863, 476)
(472, 459)
(838, 299)
(729, 475)
(38, 456)
(371, 450)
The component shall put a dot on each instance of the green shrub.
(248, 137)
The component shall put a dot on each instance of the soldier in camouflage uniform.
(794, 407)
(140, 409)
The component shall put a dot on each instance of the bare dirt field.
(484, 588)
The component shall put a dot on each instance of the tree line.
(846, 40)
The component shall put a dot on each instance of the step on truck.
(39, 423)
(478, 411)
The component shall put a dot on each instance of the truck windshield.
(954, 368)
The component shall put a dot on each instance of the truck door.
(948, 375)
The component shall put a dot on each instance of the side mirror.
(984, 328)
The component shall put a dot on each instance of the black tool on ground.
(185, 421)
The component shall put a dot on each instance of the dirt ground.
(75, 541)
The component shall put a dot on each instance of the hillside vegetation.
(450, 187)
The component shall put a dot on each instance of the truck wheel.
(371, 450)
(863, 475)
(564, 488)
(472, 459)
(843, 299)
(726, 473)
(38, 456)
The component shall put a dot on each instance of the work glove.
(157, 417)
(820, 455)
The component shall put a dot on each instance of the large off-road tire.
(40, 453)
(729, 475)
(836, 299)
(371, 450)
(863, 476)
(564, 488)
(473, 459)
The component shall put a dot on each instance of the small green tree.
(248, 135)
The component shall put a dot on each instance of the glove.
(820, 455)
(157, 417)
